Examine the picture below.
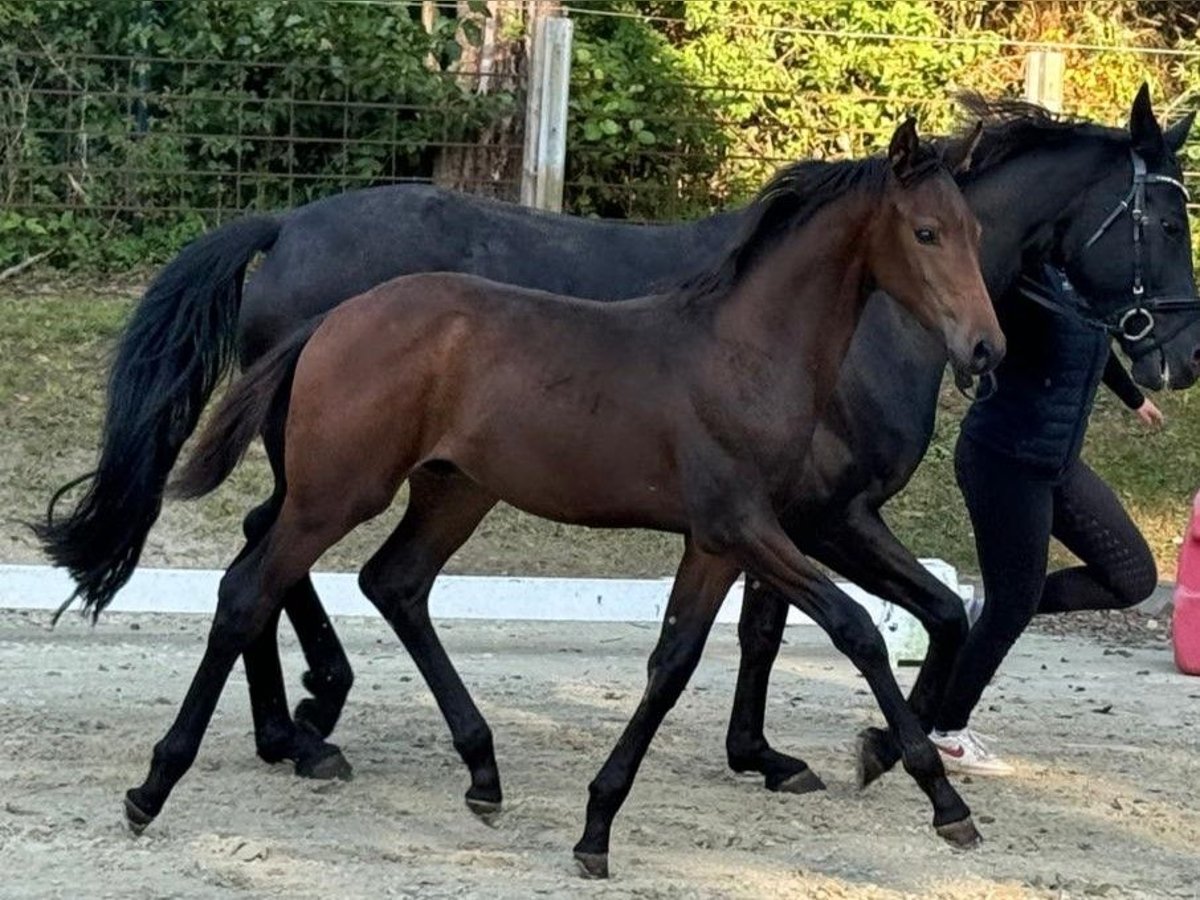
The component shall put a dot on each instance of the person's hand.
(1150, 415)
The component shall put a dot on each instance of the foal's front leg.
(863, 548)
(770, 552)
(701, 584)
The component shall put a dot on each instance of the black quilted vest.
(1037, 410)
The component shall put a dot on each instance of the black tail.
(177, 346)
(240, 417)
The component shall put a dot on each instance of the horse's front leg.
(700, 585)
(768, 551)
(862, 548)
(760, 632)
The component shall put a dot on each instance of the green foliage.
(802, 89)
(338, 94)
(676, 108)
(641, 143)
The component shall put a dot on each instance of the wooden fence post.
(1044, 78)
(545, 155)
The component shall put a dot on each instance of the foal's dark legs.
(772, 554)
(276, 735)
(248, 601)
(700, 585)
(760, 632)
(443, 511)
(865, 550)
(861, 547)
(241, 615)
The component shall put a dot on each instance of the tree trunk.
(495, 63)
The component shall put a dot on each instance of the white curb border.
(454, 596)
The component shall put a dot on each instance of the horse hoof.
(868, 767)
(592, 865)
(135, 818)
(806, 781)
(961, 834)
(487, 810)
(326, 767)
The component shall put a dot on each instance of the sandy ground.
(1106, 800)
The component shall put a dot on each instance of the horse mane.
(1012, 127)
(795, 194)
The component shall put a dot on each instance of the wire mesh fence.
(149, 136)
(128, 139)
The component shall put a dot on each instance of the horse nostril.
(982, 356)
(1196, 359)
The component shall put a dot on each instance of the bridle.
(1135, 322)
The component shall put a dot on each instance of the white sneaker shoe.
(965, 753)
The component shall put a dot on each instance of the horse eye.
(1171, 229)
(926, 236)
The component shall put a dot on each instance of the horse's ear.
(902, 151)
(1145, 135)
(1176, 135)
(957, 157)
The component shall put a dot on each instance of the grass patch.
(54, 350)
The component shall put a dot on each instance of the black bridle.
(1134, 323)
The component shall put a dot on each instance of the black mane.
(1012, 127)
(788, 201)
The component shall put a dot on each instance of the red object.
(1185, 627)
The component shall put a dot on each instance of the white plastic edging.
(454, 596)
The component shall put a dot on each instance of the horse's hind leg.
(443, 511)
(329, 676)
(277, 735)
(760, 632)
(248, 601)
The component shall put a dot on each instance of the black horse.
(1041, 187)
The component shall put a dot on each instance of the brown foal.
(689, 412)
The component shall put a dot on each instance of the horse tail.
(177, 346)
(241, 416)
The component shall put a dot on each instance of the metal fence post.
(1044, 78)
(545, 154)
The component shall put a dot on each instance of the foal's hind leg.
(760, 632)
(443, 511)
(249, 599)
(276, 735)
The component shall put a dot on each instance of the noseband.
(1135, 322)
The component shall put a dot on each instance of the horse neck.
(702, 237)
(1021, 202)
(801, 301)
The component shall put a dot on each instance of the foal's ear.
(957, 157)
(902, 151)
(1176, 135)
(1145, 135)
